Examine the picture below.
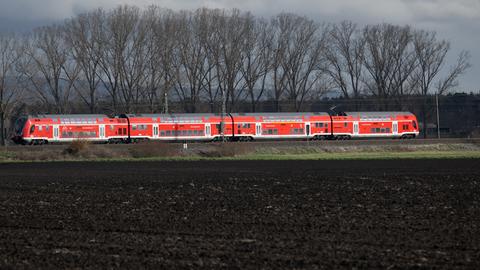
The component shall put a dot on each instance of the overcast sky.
(455, 20)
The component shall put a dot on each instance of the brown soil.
(241, 214)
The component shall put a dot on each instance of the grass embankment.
(83, 151)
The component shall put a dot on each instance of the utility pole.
(222, 115)
(166, 102)
(438, 117)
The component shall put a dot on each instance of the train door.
(55, 132)
(258, 129)
(307, 129)
(355, 128)
(395, 128)
(208, 130)
(102, 131)
(155, 131)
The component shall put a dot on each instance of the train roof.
(171, 115)
(377, 114)
(281, 114)
(68, 116)
(194, 115)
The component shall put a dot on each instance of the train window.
(320, 125)
(47, 128)
(275, 131)
(377, 130)
(162, 133)
(345, 124)
(195, 132)
(388, 130)
(168, 132)
(32, 128)
(190, 133)
(40, 128)
(382, 130)
(372, 130)
(134, 127)
(124, 131)
(111, 127)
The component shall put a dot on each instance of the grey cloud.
(455, 20)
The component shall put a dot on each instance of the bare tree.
(345, 59)
(282, 28)
(431, 54)
(302, 57)
(83, 35)
(385, 46)
(114, 38)
(50, 72)
(10, 91)
(450, 81)
(256, 58)
(190, 71)
(161, 43)
(134, 61)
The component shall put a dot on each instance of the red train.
(42, 129)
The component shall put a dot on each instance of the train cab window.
(414, 124)
(32, 128)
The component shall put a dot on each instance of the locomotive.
(125, 128)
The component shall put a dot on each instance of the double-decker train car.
(41, 129)
(375, 124)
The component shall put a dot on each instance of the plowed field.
(241, 214)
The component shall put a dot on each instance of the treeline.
(133, 60)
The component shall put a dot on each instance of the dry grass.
(76, 147)
(155, 149)
(225, 150)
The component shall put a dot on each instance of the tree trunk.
(424, 112)
(2, 128)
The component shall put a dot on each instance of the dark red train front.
(20, 130)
